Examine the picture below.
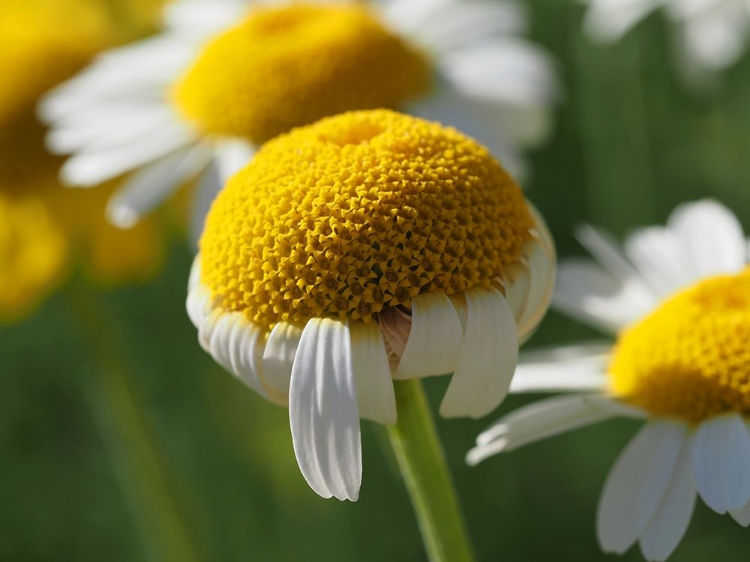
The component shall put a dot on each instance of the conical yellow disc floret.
(288, 66)
(357, 212)
(691, 357)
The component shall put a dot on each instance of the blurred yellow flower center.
(691, 357)
(360, 211)
(289, 66)
(33, 254)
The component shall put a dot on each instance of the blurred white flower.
(711, 35)
(679, 297)
(227, 75)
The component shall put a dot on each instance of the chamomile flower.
(45, 228)
(679, 299)
(225, 76)
(711, 35)
(368, 247)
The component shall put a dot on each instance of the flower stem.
(422, 462)
(127, 435)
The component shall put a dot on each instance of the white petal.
(434, 339)
(236, 344)
(205, 192)
(323, 410)
(204, 17)
(604, 248)
(278, 356)
(541, 260)
(587, 292)
(232, 156)
(560, 369)
(742, 516)
(712, 236)
(637, 484)
(149, 187)
(721, 459)
(671, 520)
(535, 422)
(661, 259)
(488, 356)
(375, 395)
(92, 168)
(608, 20)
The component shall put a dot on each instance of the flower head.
(228, 75)
(366, 247)
(679, 299)
(37, 53)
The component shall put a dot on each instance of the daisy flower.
(368, 247)
(226, 76)
(711, 34)
(44, 227)
(678, 298)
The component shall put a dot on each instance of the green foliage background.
(630, 143)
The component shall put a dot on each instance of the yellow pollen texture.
(690, 359)
(288, 66)
(360, 211)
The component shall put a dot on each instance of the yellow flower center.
(360, 211)
(691, 357)
(289, 66)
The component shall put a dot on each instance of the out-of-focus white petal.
(671, 520)
(568, 368)
(149, 187)
(375, 395)
(488, 356)
(721, 460)
(232, 156)
(711, 235)
(434, 340)
(323, 410)
(201, 18)
(608, 20)
(638, 483)
(535, 422)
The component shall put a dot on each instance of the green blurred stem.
(117, 408)
(422, 462)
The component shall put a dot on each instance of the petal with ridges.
(375, 395)
(637, 484)
(567, 368)
(488, 356)
(278, 356)
(434, 339)
(721, 459)
(323, 410)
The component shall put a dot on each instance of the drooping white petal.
(535, 422)
(323, 410)
(589, 293)
(568, 368)
(375, 395)
(488, 356)
(712, 236)
(92, 168)
(721, 460)
(671, 520)
(542, 274)
(236, 344)
(148, 187)
(278, 356)
(608, 20)
(434, 340)
(637, 484)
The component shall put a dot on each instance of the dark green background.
(630, 142)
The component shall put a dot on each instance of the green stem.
(141, 471)
(422, 462)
